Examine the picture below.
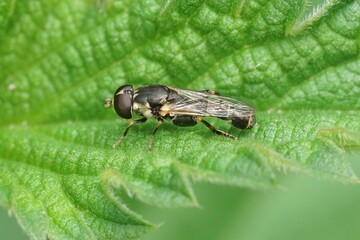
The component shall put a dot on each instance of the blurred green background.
(305, 209)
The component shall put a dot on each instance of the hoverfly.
(180, 106)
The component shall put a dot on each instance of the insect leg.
(160, 121)
(142, 120)
(212, 92)
(213, 129)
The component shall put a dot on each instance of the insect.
(180, 106)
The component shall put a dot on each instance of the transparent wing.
(203, 103)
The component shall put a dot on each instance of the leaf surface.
(59, 60)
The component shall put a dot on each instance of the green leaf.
(59, 60)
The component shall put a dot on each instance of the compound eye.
(123, 101)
